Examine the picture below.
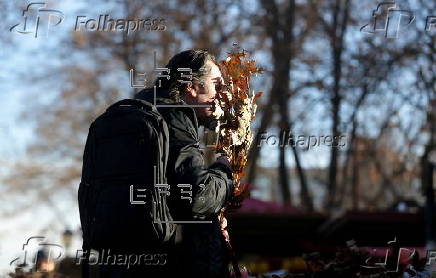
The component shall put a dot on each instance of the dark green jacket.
(200, 249)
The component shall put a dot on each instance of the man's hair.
(178, 82)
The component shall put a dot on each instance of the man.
(200, 249)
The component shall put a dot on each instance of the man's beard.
(208, 122)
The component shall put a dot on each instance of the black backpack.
(122, 197)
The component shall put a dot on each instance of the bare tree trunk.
(340, 20)
(306, 198)
(427, 170)
(280, 27)
(428, 165)
(355, 179)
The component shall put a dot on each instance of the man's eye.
(222, 87)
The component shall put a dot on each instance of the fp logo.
(30, 252)
(43, 19)
(386, 18)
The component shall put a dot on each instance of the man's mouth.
(210, 103)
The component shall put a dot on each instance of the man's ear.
(191, 91)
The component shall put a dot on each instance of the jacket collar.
(163, 98)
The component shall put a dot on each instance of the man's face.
(204, 93)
